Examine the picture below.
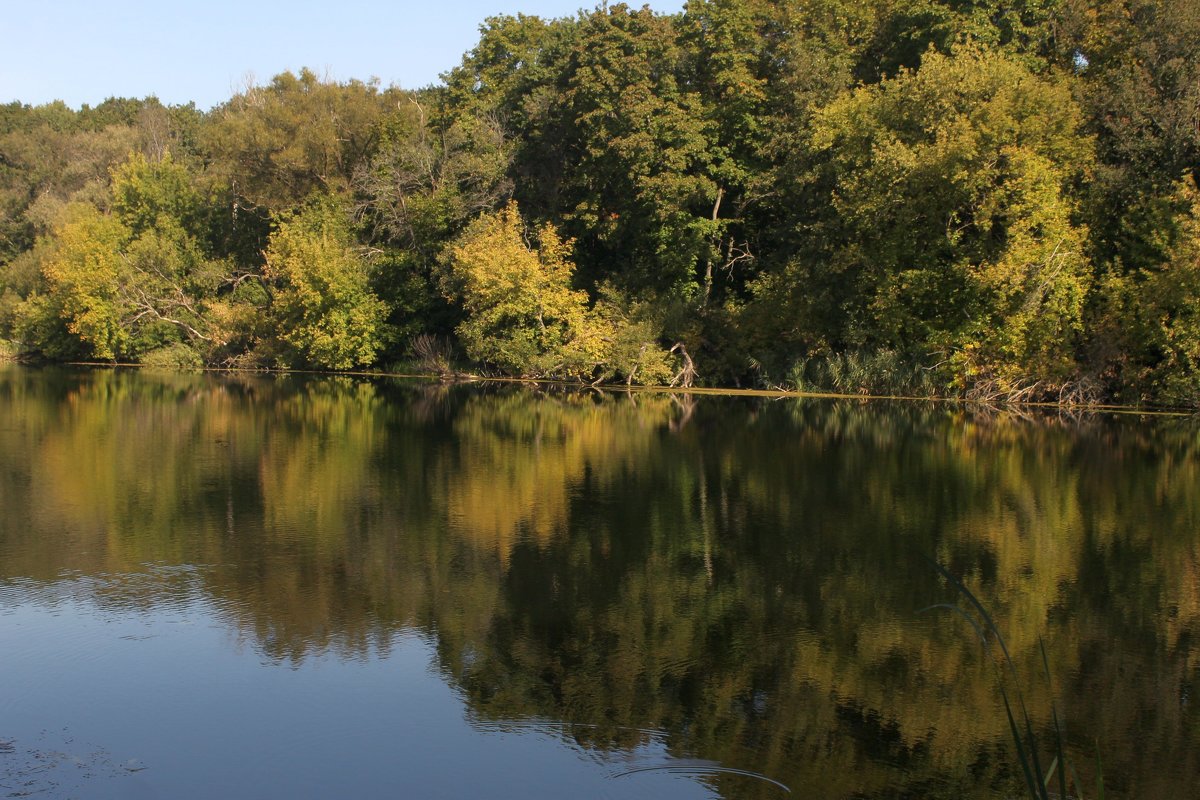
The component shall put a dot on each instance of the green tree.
(513, 76)
(725, 60)
(128, 282)
(49, 157)
(1151, 317)
(610, 144)
(276, 144)
(1137, 65)
(429, 178)
(148, 194)
(635, 189)
(324, 312)
(906, 29)
(952, 226)
(426, 182)
(169, 277)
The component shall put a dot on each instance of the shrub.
(173, 357)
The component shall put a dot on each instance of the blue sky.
(82, 51)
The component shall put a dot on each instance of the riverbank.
(693, 391)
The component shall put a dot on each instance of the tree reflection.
(748, 582)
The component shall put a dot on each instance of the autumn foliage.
(983, 199)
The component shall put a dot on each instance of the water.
(251, 587)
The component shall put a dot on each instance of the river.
(253, 586)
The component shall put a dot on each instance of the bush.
(431, 354)
(879, 372)
(173, 357)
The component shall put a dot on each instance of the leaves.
(522, 314)
(83, 277)
(324, 311)
(981, 192)
(277, 144)
(950, 187)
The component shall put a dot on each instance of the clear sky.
(82, 51)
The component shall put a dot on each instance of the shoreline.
(700, 391)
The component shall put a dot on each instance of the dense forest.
(994, 199)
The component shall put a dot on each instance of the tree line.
(978, 198)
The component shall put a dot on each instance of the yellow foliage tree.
(325, 312)
(522, 314)
(83, 277)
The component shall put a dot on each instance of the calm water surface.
(245, 587)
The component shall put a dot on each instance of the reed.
(1037, 781)
(877, 372)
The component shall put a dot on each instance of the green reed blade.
(1050, 774)
(1078, 785)
(1034, 763)
(970, 620)
(1035, 788)
(1058, 734)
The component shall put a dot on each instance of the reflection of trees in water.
(747, 581)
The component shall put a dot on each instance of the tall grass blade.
(1031, 763)
(1050, 774)
(970, 620)
(1028, 770)
(1078, 785)
(1058, 734)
